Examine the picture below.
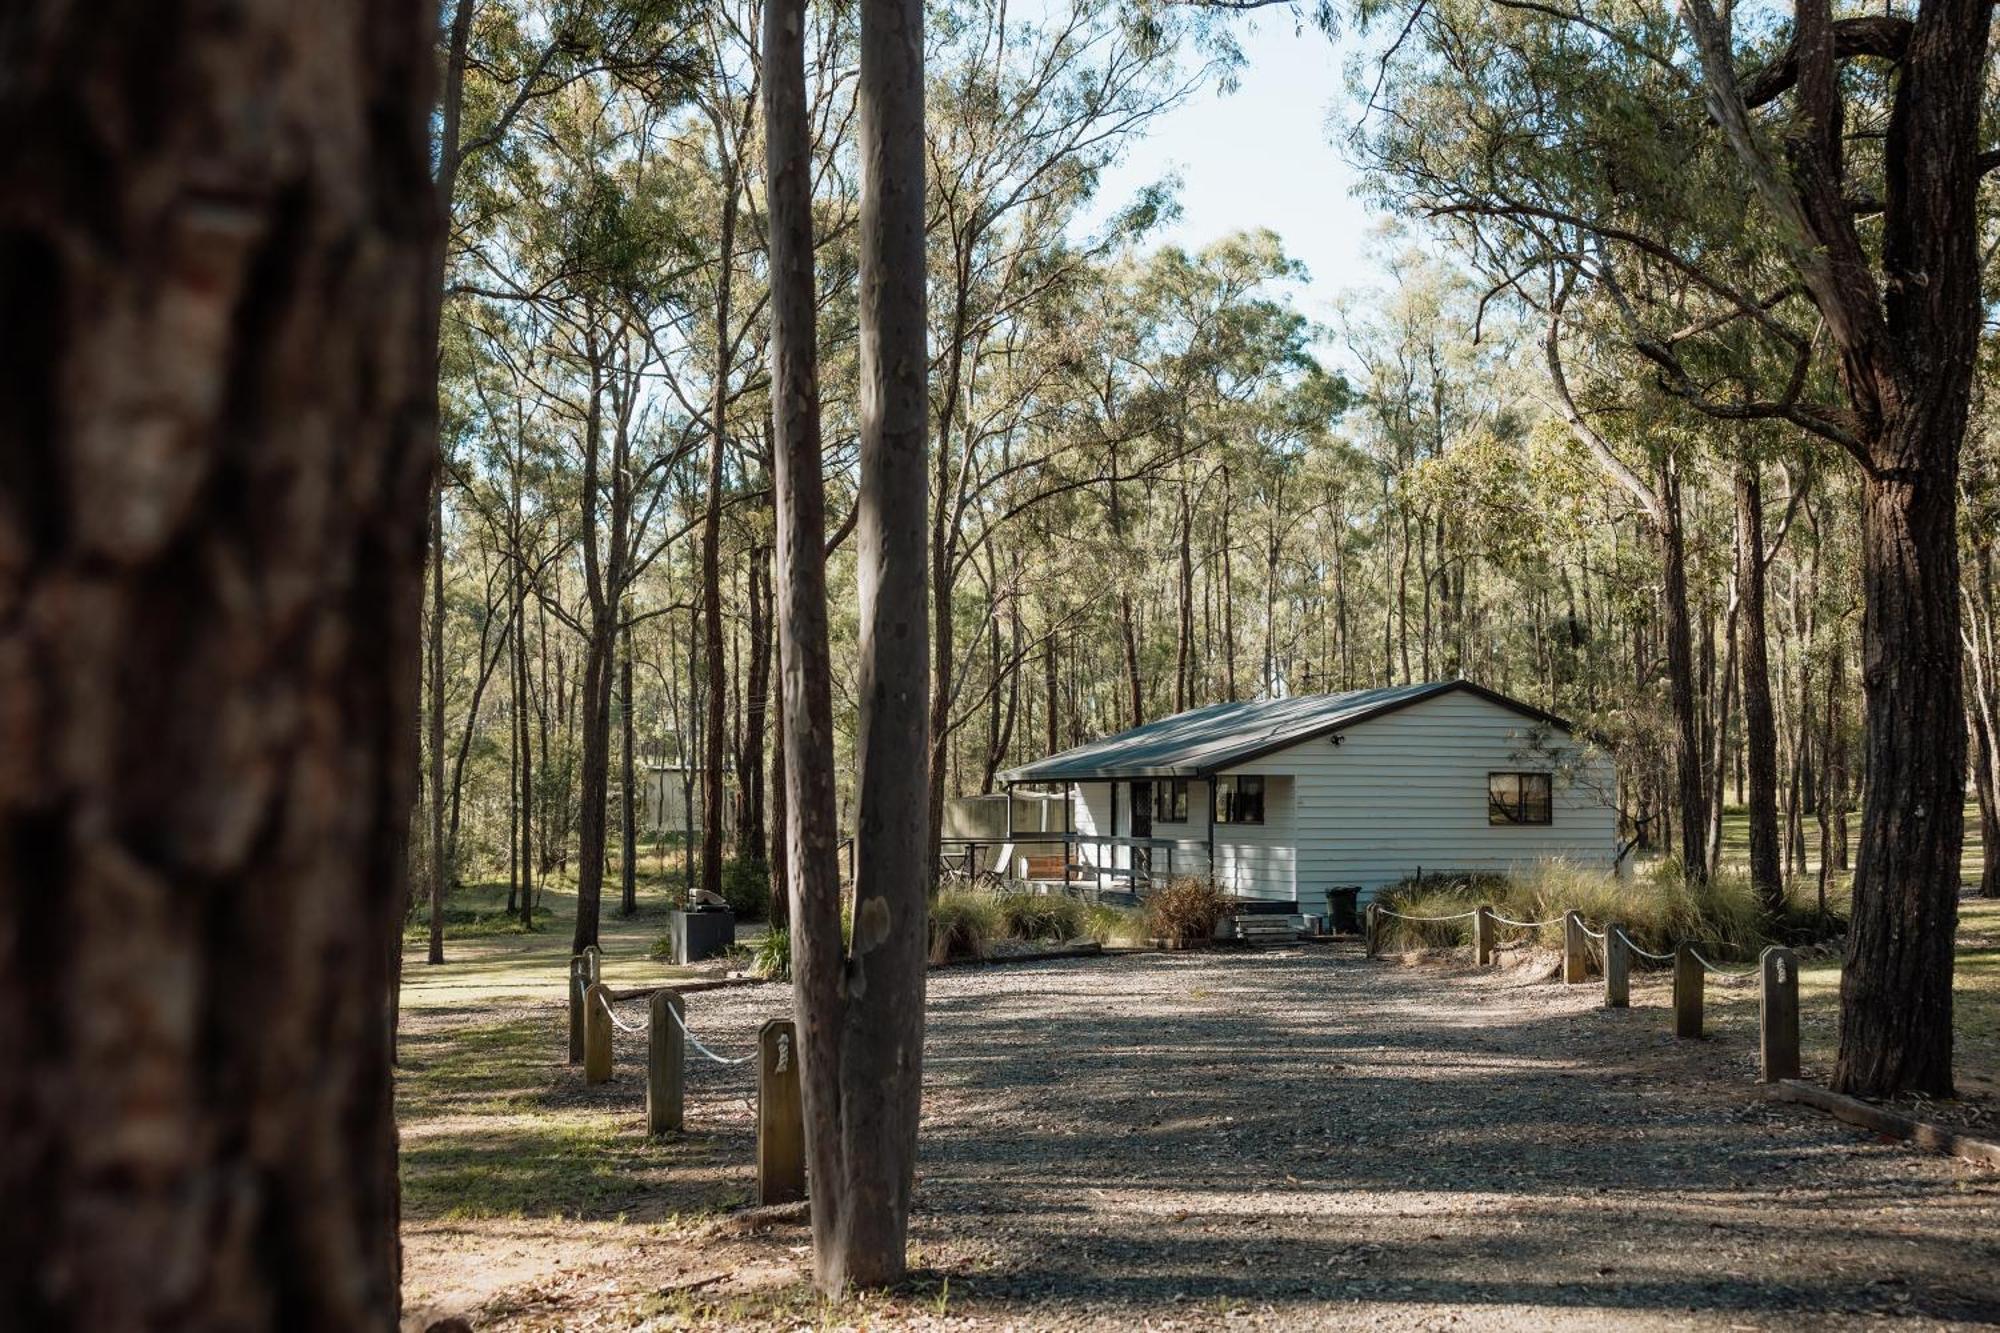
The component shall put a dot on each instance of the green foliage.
(1040, 916)
(1658, 908)
(1186, 911)
(961, 923)
(746, 887)
(771, 955)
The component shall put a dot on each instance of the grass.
(1657, 908)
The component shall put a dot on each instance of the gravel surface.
(1302, 1138)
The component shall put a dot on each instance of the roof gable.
(1202, 740)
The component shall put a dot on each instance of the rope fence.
(779, 1104)
(1776, 967)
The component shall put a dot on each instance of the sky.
(1265, 155)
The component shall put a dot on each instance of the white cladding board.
(1408, 790)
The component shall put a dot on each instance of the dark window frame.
(1170, 801)
(1239, 799)
(1525, 809)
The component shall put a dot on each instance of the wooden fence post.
(579, 970)
(1374, 929)
(593, 958)
(596, 1035)
(1575, 949)
(1617, 967)
(1482, 935)
(781, 1119)
(1778, 1013)
(1688, 978)
(666, 1062)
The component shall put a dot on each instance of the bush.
(1040, 916)
(1658, 909)
(1186, 911)
(961, 922)
(746, 887)
(771, 955)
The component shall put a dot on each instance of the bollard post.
(1688, 979)
(666, 1062)
(781, 1120)
(1617, 967)
(1482, 936)
(1575, 949)
(593, 958)
(1373, 929)
(578, 972)
(1778, 1013)
(596, 1035)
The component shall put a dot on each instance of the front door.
(1142, 827)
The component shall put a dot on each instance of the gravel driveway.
(1302, 1138)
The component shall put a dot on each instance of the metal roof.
(1202, 741)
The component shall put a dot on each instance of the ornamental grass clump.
(1040, 916)
(961, 923)
(1186, 912)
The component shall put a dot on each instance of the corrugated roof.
(1203, 740)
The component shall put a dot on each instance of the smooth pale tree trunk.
(1760, 730)
(216, 442)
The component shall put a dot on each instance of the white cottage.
(1287, 800)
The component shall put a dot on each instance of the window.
(1517, 798)
(1170, 801)
(1239, 800)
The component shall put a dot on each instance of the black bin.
(1343, 909)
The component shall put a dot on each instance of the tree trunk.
(438, 868)
(1895, 991)
(628, 842)
(711, 557)
(204, 216)
(1680, 677)
(862, 1023)
(1760, 730)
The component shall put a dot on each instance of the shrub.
(771, 955)
(1186, 911)
(961, 922)
(1040, 916)
(746, 887)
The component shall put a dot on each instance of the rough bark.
(1760, 730)
(628, 832)
(711, 553)
(216, 441)
(1680, 677)
(863, 1022)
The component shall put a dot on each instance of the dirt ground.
(1298, 1138)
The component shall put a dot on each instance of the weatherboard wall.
(1407, 790)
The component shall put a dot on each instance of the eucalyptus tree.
(1849, 151)
(216, 440)
(1024, 115)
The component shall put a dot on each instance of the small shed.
(1287, 800)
